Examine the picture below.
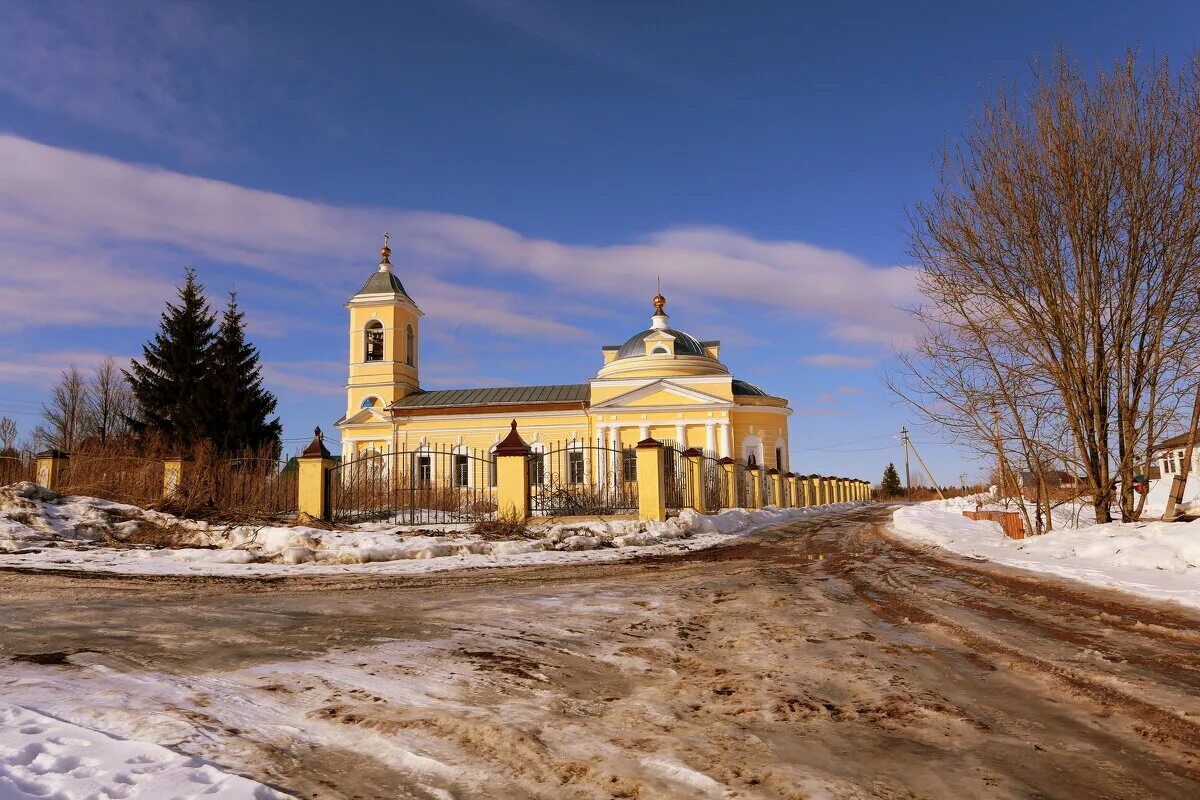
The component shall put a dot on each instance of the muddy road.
(815, 659)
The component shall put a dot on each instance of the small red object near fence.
(1010, 521)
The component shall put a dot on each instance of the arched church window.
(374, 341)
(660, 351)
(751, 460)
(411, 350)
(370, 402)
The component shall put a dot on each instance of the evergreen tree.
(890, 485)
(241, 407)
(170, 385)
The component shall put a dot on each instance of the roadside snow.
(40, 529)
(45, 757)
(1154, 559)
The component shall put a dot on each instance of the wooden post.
(651, 480)
(512, 477)
(175, 469)
(51, 468)
(695, 464)
(776, 487)
(312, 483)
(756, 498)
(731, 488)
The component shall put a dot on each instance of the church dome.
(685, 344)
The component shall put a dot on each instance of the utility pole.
(907, 480)
(962, 478)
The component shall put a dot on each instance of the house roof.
(1175, 441)
(497, 396)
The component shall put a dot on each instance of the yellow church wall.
(766, 426)
(721, 387)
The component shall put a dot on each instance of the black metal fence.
(426, 486)
(582, 478)
(678, 468)
(258, 489)
(715, 483)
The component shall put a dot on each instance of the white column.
(725, 439)
(602, 456)
(681, 436)
(643, 432)
(710, 438)
(614, 443)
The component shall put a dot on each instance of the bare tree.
(1060, 255)
(8, 435)
(110, 402)
(67, 411)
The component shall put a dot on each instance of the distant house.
(1169, 455)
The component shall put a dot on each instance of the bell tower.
(384, 339)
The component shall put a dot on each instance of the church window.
(374, 341)
(575, 467)
(462, 471)
(660, 351)
(779, 458)
(370, 402)
(629, 465)
(751, 461)
(537, 468)
(410, 347)
(424, 469)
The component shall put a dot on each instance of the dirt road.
(815, 659)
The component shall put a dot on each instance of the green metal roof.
(498, 396)
(383, 283)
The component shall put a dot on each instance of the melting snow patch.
(44, 757)
(1153, 559)
(39, 528)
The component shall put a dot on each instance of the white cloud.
(105, 209)
(839, 360)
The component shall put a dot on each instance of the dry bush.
(116, 471)
(503, 528)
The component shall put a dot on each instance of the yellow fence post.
(51, 468)
(174, 472)
(776, 487)
(651, 480)
(731, 487)
(756, 499)
(793, 499)
(826, 491)
(312, 484)
(512, 477)
(695, 466)
(808, 486)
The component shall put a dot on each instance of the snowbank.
(45, 757)
(40, 529)
(1153, 559)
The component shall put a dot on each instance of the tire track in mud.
(900, 611)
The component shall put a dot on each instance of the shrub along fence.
(432, 485)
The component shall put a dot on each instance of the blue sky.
(537, 164)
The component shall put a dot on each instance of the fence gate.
(426, 486)
(582, 478)
(679, 473)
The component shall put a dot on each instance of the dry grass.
(502, 529)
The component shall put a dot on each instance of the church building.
(661, 383)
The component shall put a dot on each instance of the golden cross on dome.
(385, 251)
(659, 301)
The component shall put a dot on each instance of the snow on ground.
(45, 757)
(1154, 559)
(40, 529)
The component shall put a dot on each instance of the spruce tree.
(890, 485)
(170, 385)
(240, 407)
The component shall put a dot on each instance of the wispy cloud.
(542, 23)
(839, 360)
(86, 204)
(134, 67)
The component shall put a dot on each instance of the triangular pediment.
(661, 393)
